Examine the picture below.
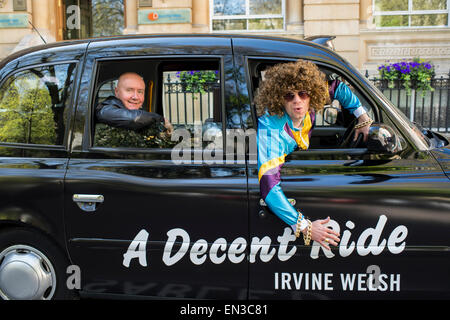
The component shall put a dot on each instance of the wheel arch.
(22, 218)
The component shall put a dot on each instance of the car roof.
(262, 38)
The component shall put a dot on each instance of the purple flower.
(404, 71)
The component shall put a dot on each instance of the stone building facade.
(368, 32)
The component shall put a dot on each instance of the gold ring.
(327, 240)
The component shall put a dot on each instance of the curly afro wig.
(291, 77)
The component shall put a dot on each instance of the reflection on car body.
(138, 222)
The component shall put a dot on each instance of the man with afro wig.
(286, 102)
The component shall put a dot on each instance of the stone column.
(200, 16)
(294, 17)
(40, 18)
(40, 12)
(131, 9)
(366, 14)
(365, 23)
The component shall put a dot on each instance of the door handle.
(88, 202)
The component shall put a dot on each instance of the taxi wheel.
(31, 267)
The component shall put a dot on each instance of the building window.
(92, 18)
(107, 17)
(247, 15)
(411, 13)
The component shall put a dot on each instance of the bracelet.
(363, 124)
(297, 228)
(307, 237)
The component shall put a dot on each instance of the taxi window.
(332, 122)
(33, 105)
(187, 93)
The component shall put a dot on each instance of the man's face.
(296, 105)
(131, 91)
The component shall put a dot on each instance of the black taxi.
(146, 216)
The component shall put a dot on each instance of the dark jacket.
(112, 112)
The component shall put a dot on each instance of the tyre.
(31, 267)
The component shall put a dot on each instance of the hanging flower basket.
(416, 74)
(198, 81)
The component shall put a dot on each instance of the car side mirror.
(384, 139)
(330, 114)
(436, 139)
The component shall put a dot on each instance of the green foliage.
(150, 137)
(28, 118)
(198, 81)
(107, 17)
(411, 74)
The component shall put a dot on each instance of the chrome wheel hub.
(26, 274)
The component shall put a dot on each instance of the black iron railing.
(187, 104)
(430, 109)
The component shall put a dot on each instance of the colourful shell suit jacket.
(277, 138)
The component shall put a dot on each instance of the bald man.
(124, 109)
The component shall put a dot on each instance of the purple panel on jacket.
(269, 180)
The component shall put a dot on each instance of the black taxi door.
(391, 210)
(147, 221)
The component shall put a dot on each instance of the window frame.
(378, 110)
(247, 17)
(164, 58)
(83, 32)
(409, 13)
(69, 105)
(321, 66)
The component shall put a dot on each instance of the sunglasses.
(291, 95)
